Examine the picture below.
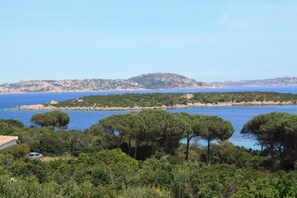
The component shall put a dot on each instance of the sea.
(81, 120)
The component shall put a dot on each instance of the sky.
(117, 39)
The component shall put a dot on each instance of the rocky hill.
(285, 81)
(146, 81)
(166, 81)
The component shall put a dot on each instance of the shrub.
(17, 151)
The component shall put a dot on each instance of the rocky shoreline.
(178, 106)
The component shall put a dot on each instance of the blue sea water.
(80, 120)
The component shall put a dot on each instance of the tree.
(55, 118)
(80, 142)
(134, 126)
(102, 138)
(50, 144)
(154, 125)
(162, 129)
(173, 132)
(212, 128)
(157, 127)
(188, 133)
(115, 125)
(276, 132)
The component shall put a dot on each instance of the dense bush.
(18, 151)
(50, 145)
(115, 174)
(54, 118)
(226, 153)
(9, 127)
(93, 169)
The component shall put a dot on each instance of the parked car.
(35, 155)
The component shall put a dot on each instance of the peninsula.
(165, 101)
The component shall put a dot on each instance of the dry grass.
(49, 159)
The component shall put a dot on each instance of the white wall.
(13, 142)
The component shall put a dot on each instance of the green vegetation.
(55, 119)
(278, 133)
(158, 129)
(139, 154)
(214, 128)
(168, 100)
(8, 127)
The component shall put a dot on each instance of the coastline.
(178, 106)
(110, 90)
(123, 90)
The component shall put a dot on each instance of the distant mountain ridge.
(145, 81)
(142, 82)
(284, 81)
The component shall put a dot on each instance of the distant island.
(164, 101)
(285, 81)
(142, 82)
(152, 81)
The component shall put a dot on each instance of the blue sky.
(205, 40)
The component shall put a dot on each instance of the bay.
(80, 120)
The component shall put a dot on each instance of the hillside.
(284, 81)
(166, 81)
(146, 81)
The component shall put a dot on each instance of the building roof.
(6, 139)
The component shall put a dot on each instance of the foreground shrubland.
(112, 173)
(141, 155)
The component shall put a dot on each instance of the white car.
(35, 155)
